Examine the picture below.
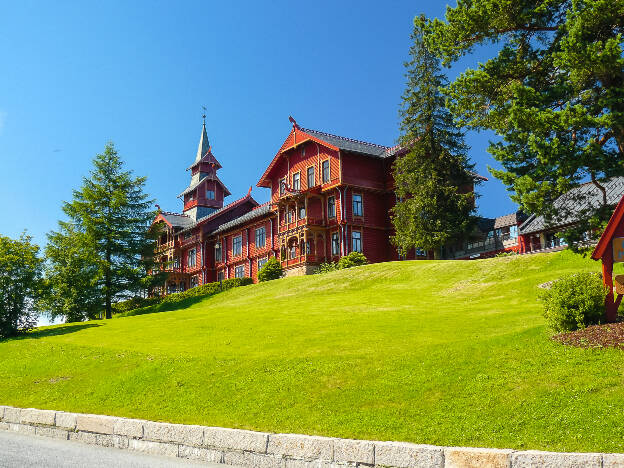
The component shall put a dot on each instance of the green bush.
(351, 260)
(271, 270)
(327, 267)
(574, 301)
(172, 301)
(134, 303)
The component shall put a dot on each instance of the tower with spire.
(206, 192)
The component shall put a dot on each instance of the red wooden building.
(330, 196)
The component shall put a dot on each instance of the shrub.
(351, 260)
(574, 301)
(134, 303)
(327, 267)
(271, 270)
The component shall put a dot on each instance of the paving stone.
(95, 423)
(52, 432)
(38, 417)
(200, 453)
(109, 440)
(301, 446)
(236, 439)
(129, 427)
(84, 437)
(11, 415)
(153, 448)
(297, 463)
(4, 426)
(405, 455)
(178, 433)
(22, 428)
(360, 451)
(66, 420)
(534, 458)
(613, 460)
(256, 460)
(461, 457)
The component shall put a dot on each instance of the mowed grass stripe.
(448, 353)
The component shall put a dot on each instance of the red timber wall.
(250, 254)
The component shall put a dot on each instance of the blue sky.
(78, 74)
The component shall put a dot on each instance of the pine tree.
(434, 179)
(112, 210)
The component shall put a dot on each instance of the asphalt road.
(20, 450)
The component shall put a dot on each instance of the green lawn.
(446, 353)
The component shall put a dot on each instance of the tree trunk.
(107, 276)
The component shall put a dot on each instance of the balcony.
(189, 240)
(164, 246)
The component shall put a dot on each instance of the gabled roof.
(609, 232)
(220, 211)
(570, 205)
(193, 186)
(174, 219)
(257, 212)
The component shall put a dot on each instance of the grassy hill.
(448, 353)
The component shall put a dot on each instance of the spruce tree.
(434, 179)
(112, 211)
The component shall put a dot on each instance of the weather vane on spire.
(204, 114)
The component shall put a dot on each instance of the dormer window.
(210, 194)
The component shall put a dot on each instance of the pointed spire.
(204, 144)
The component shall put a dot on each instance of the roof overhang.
(605, 240)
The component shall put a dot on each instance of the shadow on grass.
(56, 331)
(164, 307)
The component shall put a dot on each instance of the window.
(331, 207)
(262, 262)
(293, 251)
(311, 181)
(302, 213)
(218, 252)
(176, 262)
(296, 181)
(356, 241)
(237, 245)
(193, 281)
(260, 237)
(220, 276)
(191, 258)
(210, 194)
(335, 244)
(326, 171)
(282, 186)
(420, 252)
(239, 271)
(513, 232)
(357, 204)
(182, 286)
(307, 247)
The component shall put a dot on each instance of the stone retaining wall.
(261, 449)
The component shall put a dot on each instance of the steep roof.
(349, 144)
(175, 219)
(607, 235)
(220, 211)
(193, 186)
(257, 212)
(204, 151)
(570, 205)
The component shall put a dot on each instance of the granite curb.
(261, 449)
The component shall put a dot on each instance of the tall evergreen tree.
(112, 210)
(554, 92)
(433, 180)
(72, 276)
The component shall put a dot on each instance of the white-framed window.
(237, 245)
(220, 275)
(239, 271)
(325, 171)
(260, 237)
(176, 262)
(282, 186)
(218, 252)
(302, 212)
(357, 204)
(210, 194)
(335, 243)
(311, 178)
(262, 262)
(296, 181)
(356, 241)
(191, 258)
(293, 251)
(194, 281)
(331, 207)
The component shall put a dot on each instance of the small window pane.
(311, 181)
(331, 207)
(356, 238)
(335, 244)
(296, 181)
(357, 204)
(326, 171)
(260, 237)
(210, 195)
(302, 212)
(239, 271)
(237, 245)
